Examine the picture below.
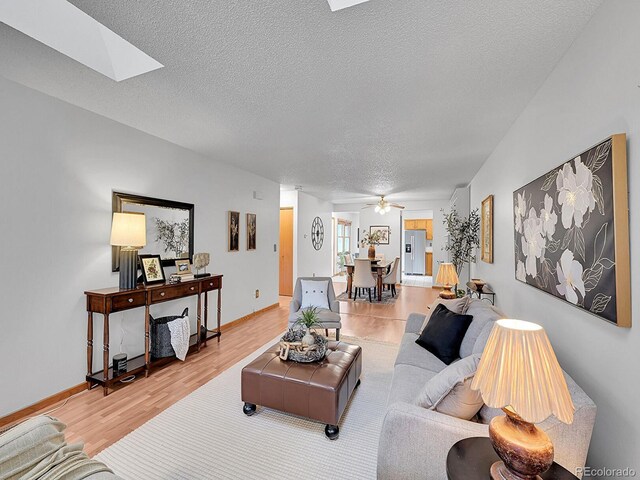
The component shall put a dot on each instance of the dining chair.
(347, 259)
(363, 277)
(392, 277)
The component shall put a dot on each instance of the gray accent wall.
(593, 92)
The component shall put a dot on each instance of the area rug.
(387, 298)
(206, 436)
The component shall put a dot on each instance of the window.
(343, 243)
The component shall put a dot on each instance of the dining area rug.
(387, 298)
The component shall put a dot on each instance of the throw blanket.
(36, 450)
(180, 333)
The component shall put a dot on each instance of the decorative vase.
(372, 252)
(308, 339)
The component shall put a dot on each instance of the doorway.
(286, 252)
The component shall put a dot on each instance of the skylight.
(340, 4)
(67, 29)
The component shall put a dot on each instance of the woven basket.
(161, 335)
(310, 355)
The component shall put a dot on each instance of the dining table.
(379, 268)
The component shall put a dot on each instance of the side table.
(471, 459)
(473, 290)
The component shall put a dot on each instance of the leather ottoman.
(318, 391)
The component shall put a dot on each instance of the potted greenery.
(371, 239)
(464, 238)
(308, 319)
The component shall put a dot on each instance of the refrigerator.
(415, 242)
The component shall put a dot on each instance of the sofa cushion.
(482, 313)
(413, 354)
(449, 391)
(315, 293)
(407, 383)
(444, 333)
(481, 341)
(456, 305)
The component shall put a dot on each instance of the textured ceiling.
(402, 97)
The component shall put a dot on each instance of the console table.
(111, 300)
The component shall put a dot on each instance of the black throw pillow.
(444, 333)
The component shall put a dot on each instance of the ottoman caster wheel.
(249, 409)
(332, 432)
(358, 383)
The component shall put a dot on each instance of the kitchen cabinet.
(429, 264)
(429, 228)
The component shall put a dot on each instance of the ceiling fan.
(382, 206)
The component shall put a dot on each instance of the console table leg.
(147, 355)
(105, 355)
(89, 347)
(206, 317)
(219, 313)
(199, 324)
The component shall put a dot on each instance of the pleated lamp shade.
(518, 369)
(447, 274)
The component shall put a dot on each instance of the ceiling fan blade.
(397, 206)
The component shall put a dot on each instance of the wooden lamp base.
(525, 450)
(447, 293)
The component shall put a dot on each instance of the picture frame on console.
(183, 266)
(169, 223)
(152, 271)
(571, 232)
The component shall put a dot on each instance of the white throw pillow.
(314, 293)
(449, 391)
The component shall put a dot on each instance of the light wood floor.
(100, 421)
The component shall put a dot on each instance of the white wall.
(312, 262)
(592, 93)
(307, 261)
(60, 164)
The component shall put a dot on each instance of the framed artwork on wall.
(251, 231)
(571, 232)
(152, 271)
(234, 231)
(384, 231)
(486, 239)
(169, 227)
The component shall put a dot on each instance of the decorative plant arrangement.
(464, 237)
(565, 230)
(372, 239)
(299, 343)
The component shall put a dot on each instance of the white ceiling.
(401, 97)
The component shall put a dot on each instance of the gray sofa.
(414, 441)
(36, 448)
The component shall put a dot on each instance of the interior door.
(286, 251)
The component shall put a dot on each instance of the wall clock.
(317, 233)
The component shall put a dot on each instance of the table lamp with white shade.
(447, 277)
(519, 373)
(129, 232)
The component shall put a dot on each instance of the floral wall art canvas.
(571, 232)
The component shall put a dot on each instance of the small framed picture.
(152, 271)
(251, 231)
(183, 266)
(234, 231)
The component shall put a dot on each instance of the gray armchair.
(329, 319)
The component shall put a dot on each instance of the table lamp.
(129, 232)
(447, 277)
(519, 373)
